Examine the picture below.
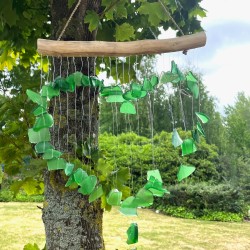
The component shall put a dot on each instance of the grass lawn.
(20, 223)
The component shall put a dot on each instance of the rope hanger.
(102, 48)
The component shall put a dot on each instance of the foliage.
(200, 197)
(208, 214)
(8, 196)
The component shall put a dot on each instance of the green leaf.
(124, 32)
(37, 98)
(154, 11)
(31, 247)
(56, 164)
(92, 19)
(70, 3)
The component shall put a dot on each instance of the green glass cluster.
(89, 184)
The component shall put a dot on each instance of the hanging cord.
(70, 17)
(174, 22)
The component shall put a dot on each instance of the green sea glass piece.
(39, 110)
(176, 140)
(147, 86)
(128, 96)
(37, 98)
(203, 117)
(128, 108)
(175, 71)
(114, 198)
(96, 194)
(51, 153)
(69, 168)
(111, 90)
(128, 208)
(56, 164)
(155, 173)
(42, 146)
(88, 185)
(77, 76)
(132, 234)
(43, 121)
(188, 147)
(200, 129)
(80, 175)
(168, 77)
(154, 81)
(192, 84)
(39, 136)
(184, 172)
(115, 98)
(135, 89)
(195, 135)
(155, 187)
(49, 92)
(61, 83)
(70, 181)
(71, 85)
(143, 198)
(95, 82)
(85, 81)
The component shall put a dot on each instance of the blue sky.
(225, 60)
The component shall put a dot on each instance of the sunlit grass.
(20, 223)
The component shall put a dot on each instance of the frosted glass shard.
(114, 198)
(69, 168)
(41, 147)
(167, 77)
(95, 82)
(39, 111)
(188, 147)
(88, 185)
(147, 86)
(37, 98)
(43, 121)
(143, 198)
(176, 140)
(56, 164)
(111, 90)
(80, 175)
(155, 173)
(77, 76)
(115, 98)
(203, 117)
(192, 84)
(200, 129)
(96, 194)
(128, 108)
(135, 89)
(51, 153)
(184, 172)
(128, 208)
(154, 81)
(39, 136)
(49, 92)
(85, 81)
(132, 234)
(128, 96)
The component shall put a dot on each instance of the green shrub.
(8, 196)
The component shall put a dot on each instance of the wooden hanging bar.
(101, 48)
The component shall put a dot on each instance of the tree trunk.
(71, 222)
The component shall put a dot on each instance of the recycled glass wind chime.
(49, 118)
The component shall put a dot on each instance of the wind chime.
(82, 167)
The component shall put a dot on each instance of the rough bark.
(71, 222)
